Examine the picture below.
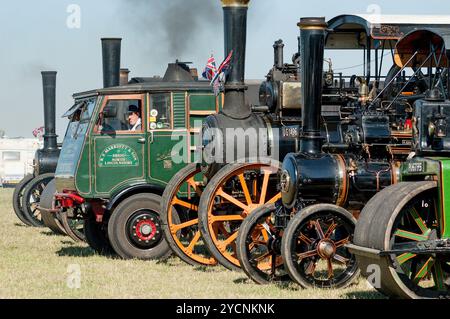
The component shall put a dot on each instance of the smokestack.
(278, 54)
(312, 44)
(124, 76)
(111, 61)
(235, 37)
(49, 86)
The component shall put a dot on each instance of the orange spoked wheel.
(179, 214)
(259, 246)
(230, 196)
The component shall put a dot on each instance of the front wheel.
(313, 247)
(17, 199)
(49, 217)
(259, 247)
(135, 230)
(32, 197)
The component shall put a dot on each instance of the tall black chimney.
(312, 45)
(111, 61)
(278, 54)
(49, 85)
(235, 37)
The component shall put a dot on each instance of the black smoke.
(177, 25)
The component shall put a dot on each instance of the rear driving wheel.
(230, 196)
(135, 228)
(179, 214)
(406, 217)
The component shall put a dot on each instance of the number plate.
(416, 167)
(290, 132)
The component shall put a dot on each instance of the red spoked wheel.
(230, 196)
(313, 247)
(180, 199)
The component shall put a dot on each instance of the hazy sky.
(36, 36)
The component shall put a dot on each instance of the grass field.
(34, 263)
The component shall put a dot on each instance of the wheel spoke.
(330, 269)
(248, 197)
(331, 229)
(405, 257)
(194, 241)
(342, 242)
(177, 201)
(226, 218)
(410, 235)
(263, 256)
(341, 259)
(311, 268)
(175, 228)
(264, 186)
(419, 221)
(230, 240)
(308, 254)
(438, 276)
(305, 239)
(274, 199)
(424, 270)
(232, 200)
(195, 186)
(318, 228)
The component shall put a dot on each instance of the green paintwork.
(100, 165)
(409, 235)
(445, 193)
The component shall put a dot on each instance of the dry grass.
(34, 264)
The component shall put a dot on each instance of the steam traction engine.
(325, 185)
(26, 197)
(247, 136)
(402, 238)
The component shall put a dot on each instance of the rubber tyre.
(117, 229)
(17, 199)
(289, 233)
(50, 219)
(31, 186)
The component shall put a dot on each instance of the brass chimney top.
(235, 3)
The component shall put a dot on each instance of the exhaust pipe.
(111, 61)
(124, 76)
(49, 87)
(278, 54)
(235, 37)
(312, 46)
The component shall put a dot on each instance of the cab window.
(160, 116)
(121, 116)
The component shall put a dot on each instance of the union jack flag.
(38, 132)
(210, 69)
(219, 77)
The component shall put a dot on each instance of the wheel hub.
(144, 229)
(326, 249)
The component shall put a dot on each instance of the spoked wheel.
(259, 247)
(230, 196)
(179, 214)
(47, 205)
(313, 247)
(17, 199)
(32, 197)
(135, 229)
(405, 217)
(73, 222)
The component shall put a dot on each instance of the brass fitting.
(312, 24)
(235, 3)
